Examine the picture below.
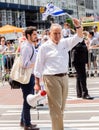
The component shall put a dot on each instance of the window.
(11, 1)
(26, 2)
(32, 2)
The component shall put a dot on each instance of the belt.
(60, 74)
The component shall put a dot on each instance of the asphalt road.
(79, 114)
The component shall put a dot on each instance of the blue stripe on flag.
(58, 13)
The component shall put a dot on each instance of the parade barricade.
(92, 67)
(6, 62)
(93, 61)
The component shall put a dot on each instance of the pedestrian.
(21, 40)
(66, 30)
(2, 52)
(2, 45)
(52, 64)
(79, 60)
(28, 54)
(93, 51)
(96, 33)
(9, 54)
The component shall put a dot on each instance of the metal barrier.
(6, 62)
(71, 69)
(92, 68)
(93, 61)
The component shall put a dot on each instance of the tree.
(68, 20)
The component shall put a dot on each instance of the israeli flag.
(53, 11)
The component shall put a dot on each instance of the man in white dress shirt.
(52, 64)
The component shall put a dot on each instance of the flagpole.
(77, 9)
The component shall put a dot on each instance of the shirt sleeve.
(26, 54)
(39, 64)
(70, 42)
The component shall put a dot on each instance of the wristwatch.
(78, 27)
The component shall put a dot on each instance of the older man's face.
(55, 34)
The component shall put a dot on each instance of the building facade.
(20, 13)
(24, 13)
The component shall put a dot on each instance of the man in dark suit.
(80, 58)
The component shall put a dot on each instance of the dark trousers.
(9, 60)
(27, 89)
(81, 85)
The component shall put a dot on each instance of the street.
(80, 114)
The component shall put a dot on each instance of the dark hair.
(95, 27)
(66, 23)
(2, 37)
(91, 33)
(8, 42)
(30, 30)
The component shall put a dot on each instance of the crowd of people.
(51, 56)
(7, 50)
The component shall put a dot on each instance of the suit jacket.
(80, 53)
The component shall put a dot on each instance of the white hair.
(55, 25)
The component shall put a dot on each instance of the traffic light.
(42, 9)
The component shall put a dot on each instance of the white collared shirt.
(53, 58)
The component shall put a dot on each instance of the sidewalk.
(10, 96)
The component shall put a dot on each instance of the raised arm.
(79, 29)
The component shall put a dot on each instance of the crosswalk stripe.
(46, 128)
(95, 118)
(65, 125)
(49, 121)
(47, 112)
(67, 105)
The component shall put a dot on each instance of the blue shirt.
(26, 52)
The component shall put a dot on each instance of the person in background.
(66, 30)
(79, 60)
(21, 40)
(2, 44)
(93, 44)
(85, 33)
(2, 51)
(28, 55)
(52, 64)
(96, 33)
(47, 32)
(9, 53)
